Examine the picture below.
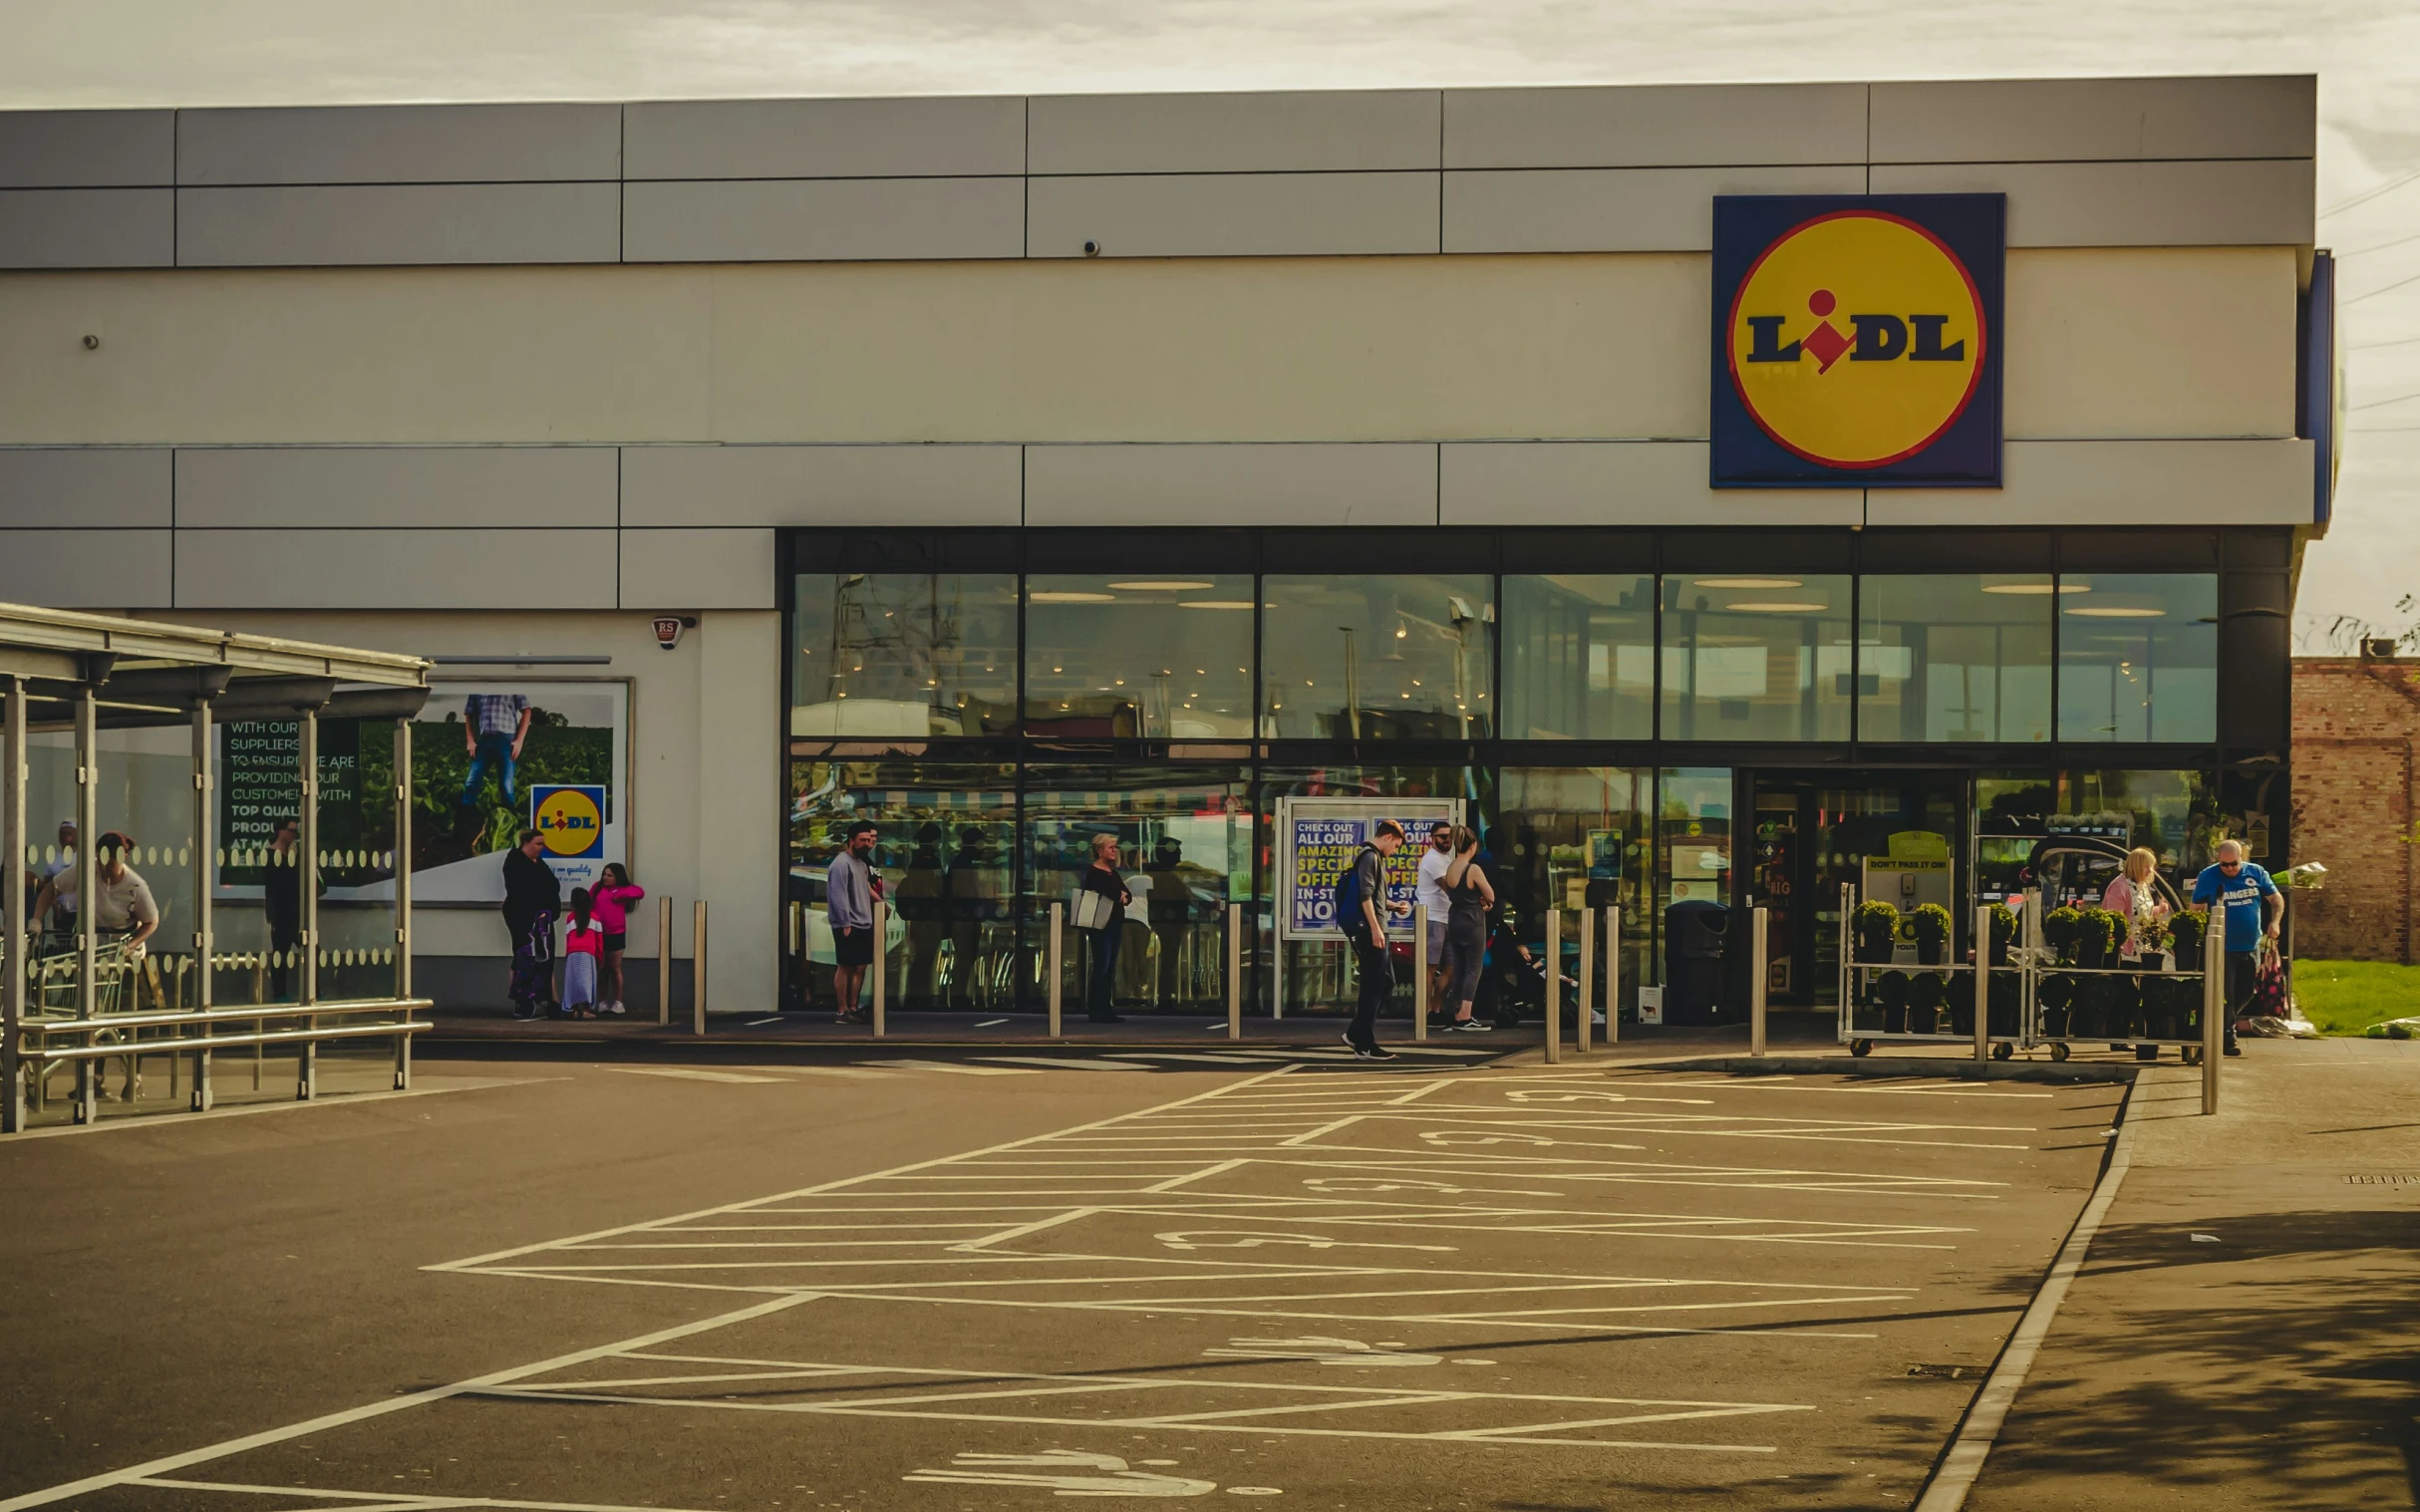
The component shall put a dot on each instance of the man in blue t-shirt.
(2254, 909)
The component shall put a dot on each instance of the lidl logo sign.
(1857, 341)
(571, 820)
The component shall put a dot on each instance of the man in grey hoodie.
(848, 901)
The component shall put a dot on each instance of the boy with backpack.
(1360, 893)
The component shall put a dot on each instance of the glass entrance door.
(1814, 833)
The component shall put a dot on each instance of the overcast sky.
(2365, 52)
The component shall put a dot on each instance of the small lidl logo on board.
(1857, 341)
(571, 820)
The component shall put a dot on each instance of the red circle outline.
(1730, 345)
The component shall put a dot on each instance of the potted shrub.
(2096, 935)
(2060, 929)
(1871, 928)
(1925, 993)
(2185, 939)
(1891, 995)
(2003, 932)
(1932, 923)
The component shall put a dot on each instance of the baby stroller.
(1512, 983)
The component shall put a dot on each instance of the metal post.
(90, 1073)
(882, 960)
(15, 942)
(1613, 972)
(205, 943)
(403, 892)
(2214, 1003)
(1057, 910)
(1419, 970)
(1554, 987)
(1234, 971)
(664, 961)
(1983, 982)
(697, 968)
(1760, 976)
(306, 1059)
(1588, 979)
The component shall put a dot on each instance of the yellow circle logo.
(1856, 339)
(569, 822)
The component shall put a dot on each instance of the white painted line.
(990, 1023)
(167, 1119)
(760, 1022)
(955, 1070)
(687, 1073)
(1069, 1063)
(858, 1072)
(1946, 1491)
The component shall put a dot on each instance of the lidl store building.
(1706, 488)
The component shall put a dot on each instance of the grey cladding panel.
(1617, 483)
(81, 149)
(2257, 202)
(825, 138)
(396, 486)
(698, 569)
(86, 570)
(1613, 209)
(824, 221)
(88, 228)
(1232, 133)
(2042, 119)
(1234, 214)
(369, 225)
(394, 569)
(400, 144)
(821, 485)
(1660, 125)
(1383, 483)
(96, 487)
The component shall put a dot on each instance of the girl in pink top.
(614, 894)
(583, 944)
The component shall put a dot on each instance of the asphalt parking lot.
(994, 1281)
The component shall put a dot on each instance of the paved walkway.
(2245, 1332)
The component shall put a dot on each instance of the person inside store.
(1429, 893)
(920, 909)
(849, 891)
(972, 898)
(1102, 879)
(532, 897)
(1361, 895)
(2255, 912)
(1169, 905)
(1469, 898)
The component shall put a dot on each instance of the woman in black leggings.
(1470, 897)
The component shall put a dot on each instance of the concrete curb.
(1874, 1065)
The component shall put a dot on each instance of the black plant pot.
(1891, 992)
(2091, 953)
(2189, 954)
(1873, 952)
(1930, 952)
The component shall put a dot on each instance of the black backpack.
(1348, 892)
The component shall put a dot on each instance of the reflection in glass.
(2169, 812)
(1124, 657)
(1955, 657)
(1378, 658)
(944, 851)
(356, 859)
(904, 655)
(1580, 658)
(2138, 657)
(256, 908)
(1692, 842)
(1757, 658)
(1580, 837)
(2011, 812)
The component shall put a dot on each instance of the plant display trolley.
(1932, 999)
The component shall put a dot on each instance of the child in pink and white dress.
(583, 949)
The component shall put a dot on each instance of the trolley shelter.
(199, 883)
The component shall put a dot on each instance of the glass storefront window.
(1953, 657)
(944, 852)
(903, 655)
(1138, 657)
(2011, 812)
(1692, 843)
(1378, 658)
(1184, 838)
(1763, 656)
(1580, 837)
(2168, 813)
(2138, 657)
(1580, 658)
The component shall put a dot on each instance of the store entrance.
(1814, 832)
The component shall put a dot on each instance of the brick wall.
(2355, 725)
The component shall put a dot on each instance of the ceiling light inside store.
(1777, 608)
(1170, 585)
(1069, 596)
(2117, 612)
(1215, 603)
(2039, 589)
(1748, 582)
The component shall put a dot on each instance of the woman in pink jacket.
(612, 897)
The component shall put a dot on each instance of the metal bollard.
(1234, 971)
(1554, 987)
(1419, 970)
(1760, 975)
(1588, 979)
(1613, 972)
(2214, 1003)
(1983, 982)
(882, 960)
(697, 968)
(1057, 913)
(664, 961)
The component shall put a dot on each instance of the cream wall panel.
(1617, 483)
(1232, 133)
(1306, 484)
(2131, 205)
(92, 487)
(383, 225)
(87, 569)
(1656, 126)
(88, 228)
(821, 485)
(483, 488)
(87, 149)
(400, 144)
(1613, 209)
(2130, 343)
(698, 569)
(1984, 120)
(396, 569)
(834, 219)
(2133, 482)
(946, 137)
(738, 842)
(1233, 214)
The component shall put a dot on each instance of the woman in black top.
(532, 897)
(1102, 877)
(1470, 897)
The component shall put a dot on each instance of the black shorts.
(617, 942)
(853, 947)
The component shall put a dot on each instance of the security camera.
(1091, 249)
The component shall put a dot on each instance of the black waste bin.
(1695, 937)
